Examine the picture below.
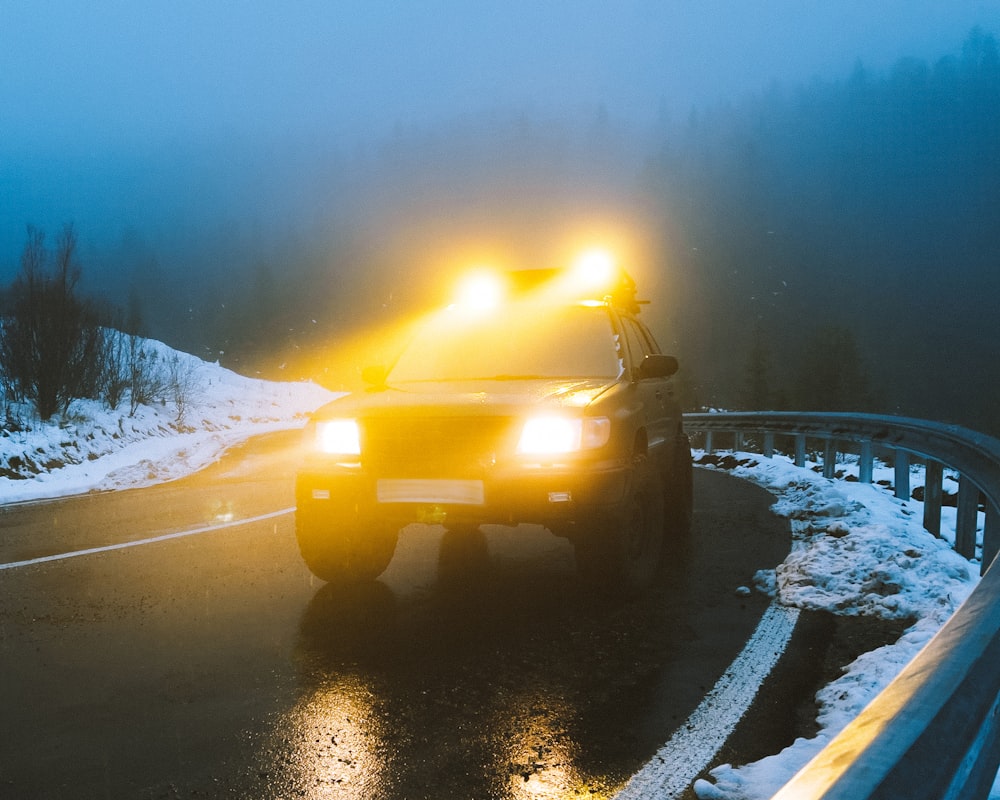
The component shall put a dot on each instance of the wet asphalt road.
(215, 666)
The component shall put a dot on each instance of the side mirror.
(375, 376)
(658, 366)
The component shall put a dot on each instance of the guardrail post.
(933, 481)
(902, 470)
(708, 442)
(966, 518)
(768, 444)
(991, 536)
(738, 442)
(800, 449)
(829, 458)
(866, 462)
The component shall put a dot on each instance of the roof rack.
(620, 293)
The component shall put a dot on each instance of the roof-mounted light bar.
(481, 291)
(593, 276)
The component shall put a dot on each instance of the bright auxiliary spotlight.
(595, 270)
(482, 290)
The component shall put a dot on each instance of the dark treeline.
(830, 246)
(843, 239)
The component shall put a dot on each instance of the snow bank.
(91, 447)
(856, 550)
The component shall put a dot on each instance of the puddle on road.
(467, 673)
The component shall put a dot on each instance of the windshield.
(561, 342)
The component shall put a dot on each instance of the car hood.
(472, 398)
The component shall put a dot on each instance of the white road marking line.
(153, 540)
(693, 746)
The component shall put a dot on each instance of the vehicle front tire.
(623, 549)
(678, 503)
(344, 551)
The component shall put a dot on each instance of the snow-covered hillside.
(93, 447)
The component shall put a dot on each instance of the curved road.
(214, 665)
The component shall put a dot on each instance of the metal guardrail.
(934, 732)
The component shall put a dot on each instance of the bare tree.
(146, 380)
(182, 383)
(52, 346)
(115, 372)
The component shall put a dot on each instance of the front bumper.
(548, 495)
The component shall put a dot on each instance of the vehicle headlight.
(554, 435)
(340, 437)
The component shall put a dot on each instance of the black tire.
(678, 501)
(622, 551)
(344, 552)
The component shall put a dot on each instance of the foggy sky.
(134, 74)
(106, 105)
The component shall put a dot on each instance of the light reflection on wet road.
(446, 688)
(491, 673)
(215, 666)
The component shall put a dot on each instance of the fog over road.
(214, 665)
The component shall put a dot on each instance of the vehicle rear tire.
(622, 551)
(344, 552)
(678, 502)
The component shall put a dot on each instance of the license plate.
(399, 490)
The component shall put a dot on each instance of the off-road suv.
(552, 406)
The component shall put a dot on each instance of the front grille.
(431, 447)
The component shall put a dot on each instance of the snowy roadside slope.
(93, 448)
(857, 550)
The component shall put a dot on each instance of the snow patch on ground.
(91, 447)
(857, 549)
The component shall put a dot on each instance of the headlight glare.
(338, 437)
(480, 292)
(555, 435)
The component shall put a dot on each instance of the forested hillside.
(834, 244)
(838, 227)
